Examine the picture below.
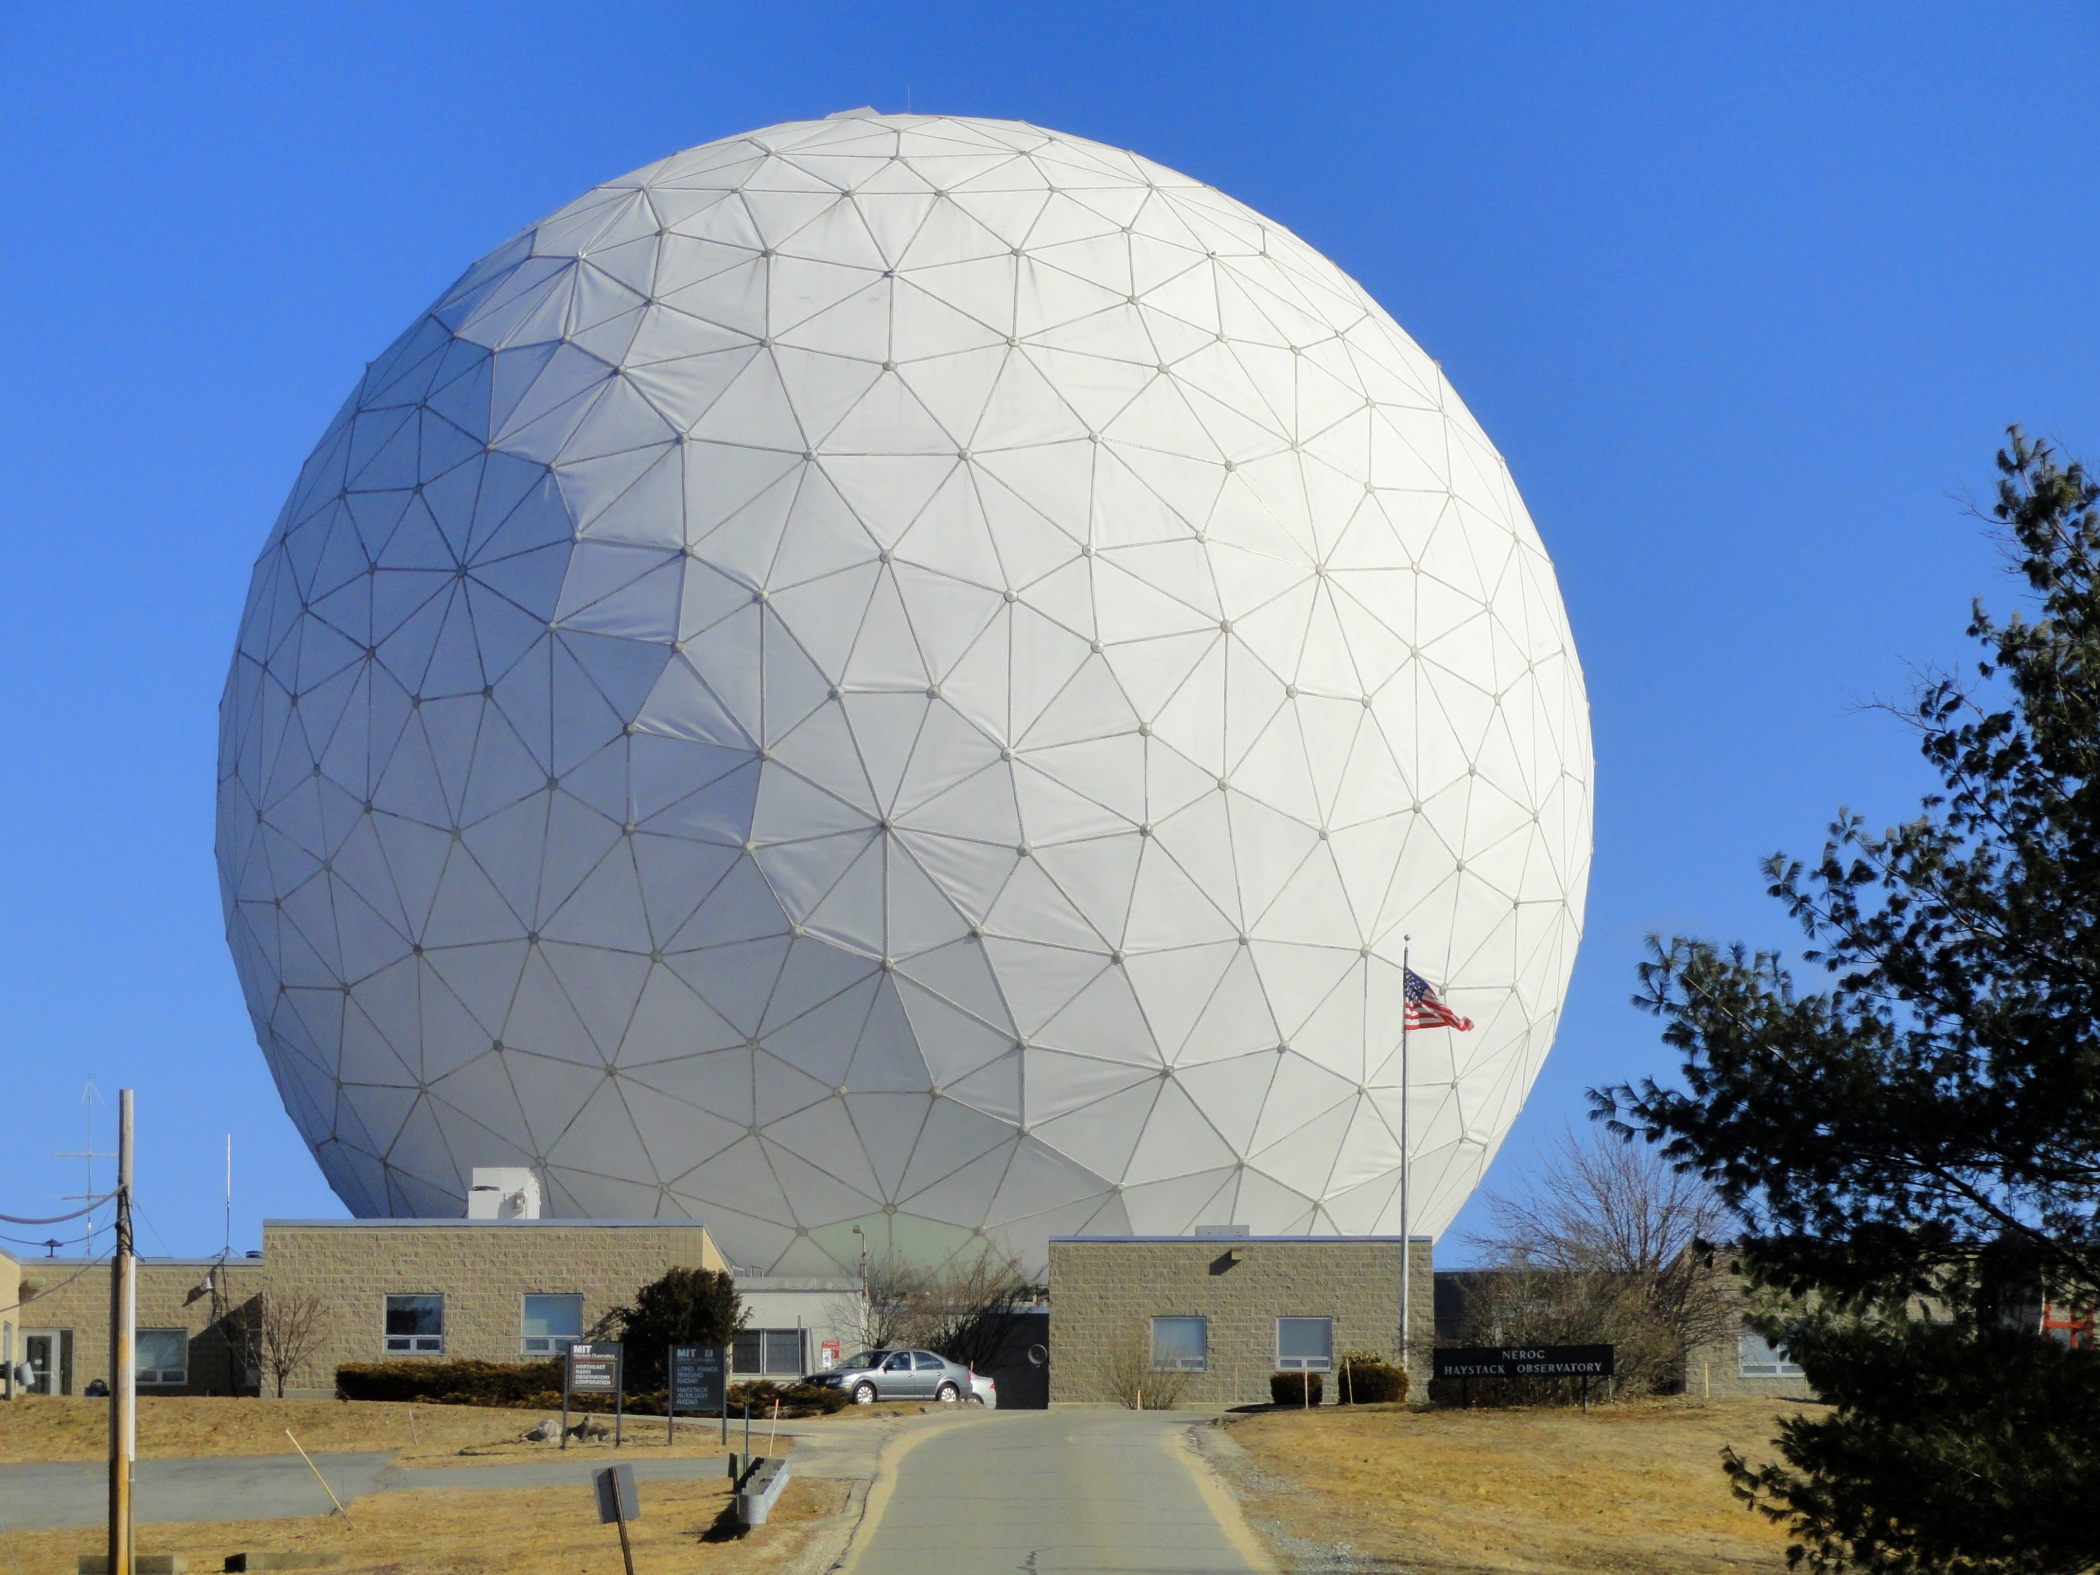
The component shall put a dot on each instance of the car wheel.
(863, 1394)
(947, 1394)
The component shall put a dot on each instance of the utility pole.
(123, 1356)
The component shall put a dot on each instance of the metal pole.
(670, 1396)
(568, 1363)
(123, 1391)
(1407, 1240)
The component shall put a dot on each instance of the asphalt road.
(273, 1487)
(1043, 1492)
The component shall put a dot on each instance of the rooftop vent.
(503, 1193)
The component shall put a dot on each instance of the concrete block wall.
(483, 1269)
(1106, 1290)
(1714, 1372)
(73, 1293)
(11, 1319)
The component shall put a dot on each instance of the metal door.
(40, 1354)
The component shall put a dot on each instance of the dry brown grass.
(38, 1427)
(1633, 1488)
(522, 1531)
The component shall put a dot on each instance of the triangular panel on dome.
(995, 1089)
(950, 1043)
(736, 978)
(971, 874)
(889, 1127)
(719, 1082)
(952, 1137)
(1175, 1205)
(887, 1058)
(960, 1196)
(670, 1021)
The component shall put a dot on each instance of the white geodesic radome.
(905, 672)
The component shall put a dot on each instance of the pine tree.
(1914, 1147)
(681, 1307)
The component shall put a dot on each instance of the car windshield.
(863, 1361)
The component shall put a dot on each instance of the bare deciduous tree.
(281, 1329)
(1608, 1243)
(966, 1309)
(1130, 1379)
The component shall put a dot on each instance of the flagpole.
(1407, 1243)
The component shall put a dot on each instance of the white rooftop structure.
(503, 1192)
(902, 681)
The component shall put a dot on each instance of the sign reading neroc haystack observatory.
(907, 673)
(1524, 1361)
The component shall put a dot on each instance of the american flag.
(1424, 1010)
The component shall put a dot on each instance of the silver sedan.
(899, 1375)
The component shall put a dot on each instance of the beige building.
(502, 1287)
(497, 1290)
(57, 1337)
(1225, 1312)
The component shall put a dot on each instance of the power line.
(59, 1219)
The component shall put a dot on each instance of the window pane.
(783, 1350)
(749, 1353)
(558, 1317)
(1305, 1343)
(163, 1356)
(163, 1348)
(1757, 1358)
(415, 1315)
(1181, 1344)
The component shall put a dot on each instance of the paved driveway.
(1044, 1492)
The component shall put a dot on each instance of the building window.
(552, 1324)
(1757, 1357)
(1180, 1345)
(767, 1352)
(1304, 1345)
(163, 1356)
(415, 1324)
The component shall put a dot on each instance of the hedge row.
(536, 1386)
(451, 1383)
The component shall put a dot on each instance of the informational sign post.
(592, 1367)
(618, 1503)
(697, 1385)
(1467, 1362)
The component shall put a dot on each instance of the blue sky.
(1744, 294)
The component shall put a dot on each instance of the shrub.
(1127, 1375)
(451, 1383)
(796, 1399)
(1296, 1388)
(1370, 1380)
